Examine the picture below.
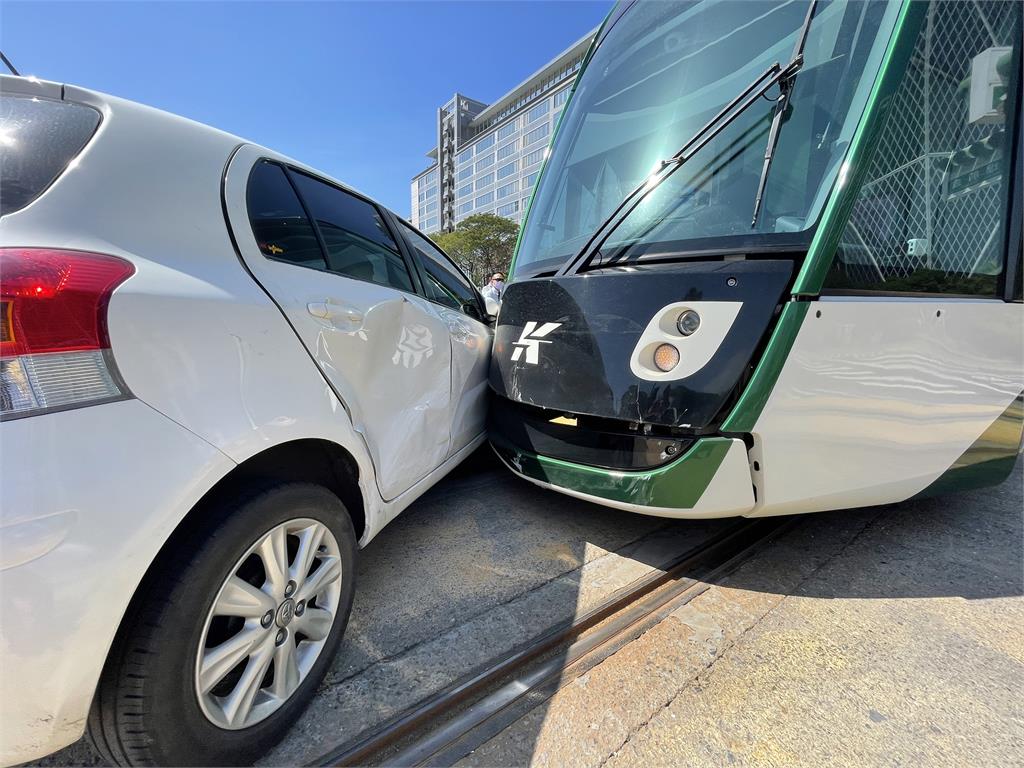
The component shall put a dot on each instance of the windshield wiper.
(776, 73)
(781, 105)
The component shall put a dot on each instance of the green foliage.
(482, 245)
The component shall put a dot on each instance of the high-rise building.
(488, 156)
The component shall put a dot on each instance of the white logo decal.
(415, 345)
(531, 339)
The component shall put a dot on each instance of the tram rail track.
(452, 722)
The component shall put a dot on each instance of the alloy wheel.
(268, 623)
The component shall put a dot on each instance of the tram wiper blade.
(786, 82)
(776, 73)
(725, 117)
(740, 104)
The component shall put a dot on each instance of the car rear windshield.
(38, 139)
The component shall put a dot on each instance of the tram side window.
(930, 217)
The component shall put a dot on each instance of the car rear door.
(329, 259)
(459, 304)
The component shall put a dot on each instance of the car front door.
(458, 303)
(330, 261)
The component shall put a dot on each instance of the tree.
(482, 245)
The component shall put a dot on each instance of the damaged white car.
(222, 373)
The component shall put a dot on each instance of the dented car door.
(329, 259)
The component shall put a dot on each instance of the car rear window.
(280, 225)
(38, 139)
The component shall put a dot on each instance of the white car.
(222, 373)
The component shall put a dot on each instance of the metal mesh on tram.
(909, 194)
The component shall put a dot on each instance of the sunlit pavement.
(867, 637)
(892, 636)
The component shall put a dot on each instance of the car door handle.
(328, 310)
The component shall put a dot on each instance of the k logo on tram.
(531, 339)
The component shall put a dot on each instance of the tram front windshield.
(659, 73)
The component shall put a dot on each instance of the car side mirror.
(491, 307)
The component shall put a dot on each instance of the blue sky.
(349, 88)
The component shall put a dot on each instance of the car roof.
(48, 89)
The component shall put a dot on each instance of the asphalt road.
(481, 563)
(879, 637)
(485, 561)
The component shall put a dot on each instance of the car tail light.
(54, 347)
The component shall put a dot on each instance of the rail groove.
(440, 729)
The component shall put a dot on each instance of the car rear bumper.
(87, 499)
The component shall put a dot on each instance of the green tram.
(773, 261)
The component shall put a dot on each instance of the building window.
(465, 208)
(428, 208)
(507, 151)
(427, 181)
(507, 130)
(533, 158)
(508, 189)
(530, 180)
(465, 173)
(509, 209)
(484, 199)
(561, 96)
(536, 134)
(485, 180)
(464, 190)
(485, 162)
(464, 156)
(485, 143)
(432, 191)
(429, 225)
(507, 170)
(537, 112)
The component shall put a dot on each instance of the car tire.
(150, 707)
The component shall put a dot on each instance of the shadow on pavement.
(485, 561)
(968, 546)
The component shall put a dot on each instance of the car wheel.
(229, 637)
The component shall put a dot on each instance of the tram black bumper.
(565, 344)
(581, 440)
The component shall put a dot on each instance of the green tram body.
(859, 332)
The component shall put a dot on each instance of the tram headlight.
(666, 357)
(688, 322)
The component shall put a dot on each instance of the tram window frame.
(1012, 288)
(1008, 216)
(1015, 292)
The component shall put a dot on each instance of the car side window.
(357, 239)
(282, 230)
(444, 283)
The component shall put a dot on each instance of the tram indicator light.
(666, 357)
